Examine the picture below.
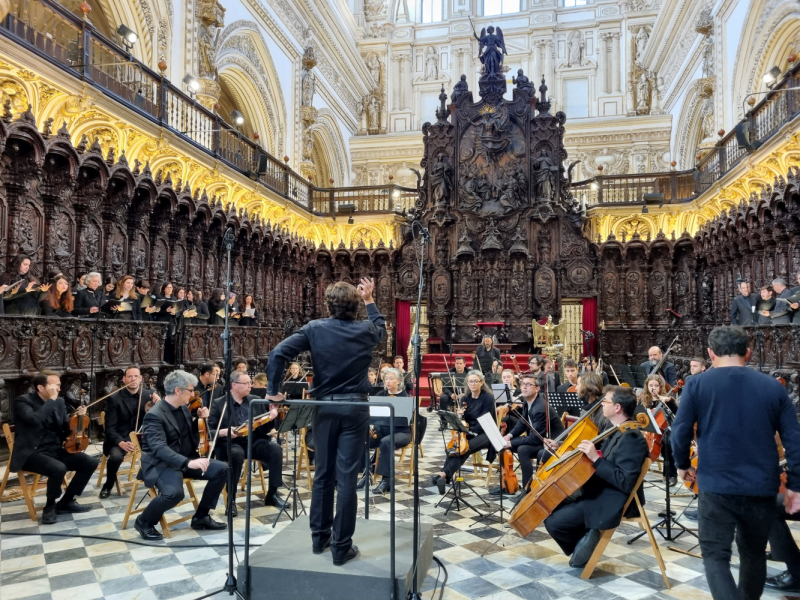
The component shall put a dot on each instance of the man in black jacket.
(169, 440)
(783, 311)
(341, 352)
(264, 449)
(450, 393)
(576, 524)
(210, 387)
(667, 370)
(528, 446)
(743, 307)
(41, 426)
(125, 412)
(88, 301)
(485, 355)
(570, 370)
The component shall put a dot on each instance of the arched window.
(500, 7)
(432, 11)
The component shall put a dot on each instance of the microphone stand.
(414, 593)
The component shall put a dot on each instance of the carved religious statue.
(441, 177)
(373, 109)
(309, 79)
(544, 173)
(374, 66)
(491, 49)
(431, 64)
(642, 35)
(577, 48)
(642, 94)
(212, 18)
(460, 88)
(523, 83)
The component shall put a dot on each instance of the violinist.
(655, 391)
(295, 375)
(512, 415)
(478, 401)
(169, 448)
(393, 380)
(570, 370)
(264, 449)
(209, 386)
(450, 394)
(23, 298)
(125, 412)
(372, 375)
(42, 425)
(697, 365)
(497, 372)
(240, 364)
(667, 370)
(591, 367)
(577, 523)
(399, 364)
(542, 417)
(737, 411)
(485, 354)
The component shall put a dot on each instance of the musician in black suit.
(41, 426)
(534, 412)
(743, 307)
(570, 369)
(264, 449)
(457, 375)
(125, 412)
(89, 300)
(667, 370)
(169, 441)
(209, 385)
(782, 313)
(485, 355)
(577, 522)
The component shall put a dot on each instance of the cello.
(569, 474)
(582, 429)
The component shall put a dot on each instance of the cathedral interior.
(618, 166)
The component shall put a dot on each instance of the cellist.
(577, 523)
(570, 370)
(124, 413)
(41, 422)
(264, 449)
(537, 413)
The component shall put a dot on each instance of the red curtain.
(402, 332)
(590, 324)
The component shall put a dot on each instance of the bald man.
(667, 369)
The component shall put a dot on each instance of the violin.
(510, 481)
(458, 444)
(78, 438)
(569, 474)
(244, 430)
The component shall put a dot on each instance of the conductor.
(341, 352)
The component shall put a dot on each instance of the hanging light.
(128, 35)
(237, 117)
(191, 82)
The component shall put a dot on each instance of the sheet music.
(492, 432)
(250, 312)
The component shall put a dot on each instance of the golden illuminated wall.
(749, 177)
(57, 98)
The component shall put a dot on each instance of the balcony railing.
(73, 44)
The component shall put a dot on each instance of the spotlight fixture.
(237, 117)
(128, 35)
(350, 219)
(191, 83)
(593, 186)
(644, 209)
(771, 76)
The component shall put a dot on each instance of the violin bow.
(216, 433)
(99, 399)
(452, 380)
(139, 405)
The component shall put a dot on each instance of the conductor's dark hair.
(623, 396)
(342, 299)
(207, 368)
(40, 379)
(729, 341)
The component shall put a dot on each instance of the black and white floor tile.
(42, 567)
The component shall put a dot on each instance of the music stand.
(566, 402)
(453, 423)
(298, 416)
(293, 390)
(489, 426)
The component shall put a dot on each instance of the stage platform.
(284, 568)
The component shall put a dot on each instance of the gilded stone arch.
(361, 233)
(770, 35)
(690, 129)
(20, 94)
(328, 141)
(630, 225)
(169, 164)
(242, 49)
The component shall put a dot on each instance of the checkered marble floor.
(40, 567)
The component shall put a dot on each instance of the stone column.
(407, 95)
(615, 60)
(395, 82)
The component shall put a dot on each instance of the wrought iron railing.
(62, 38)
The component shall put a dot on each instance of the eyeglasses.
(606, 402)
(243, 383)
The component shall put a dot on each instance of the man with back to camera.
(341, 352)
(737, 411)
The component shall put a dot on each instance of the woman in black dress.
(167, 315)
(23, 299)
(200, 306)
(476, 403)
(249, 321)
(124, 291)
(58, 300)
(109, 286)
(216, 303)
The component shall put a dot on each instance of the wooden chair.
(257, 479)
(643, 522)
(436, 389)
(165, 525)
(132, 457)
(28, 491)
(302, 457)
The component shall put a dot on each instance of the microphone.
(424, 232)
(588, 334)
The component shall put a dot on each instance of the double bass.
(569, 474)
